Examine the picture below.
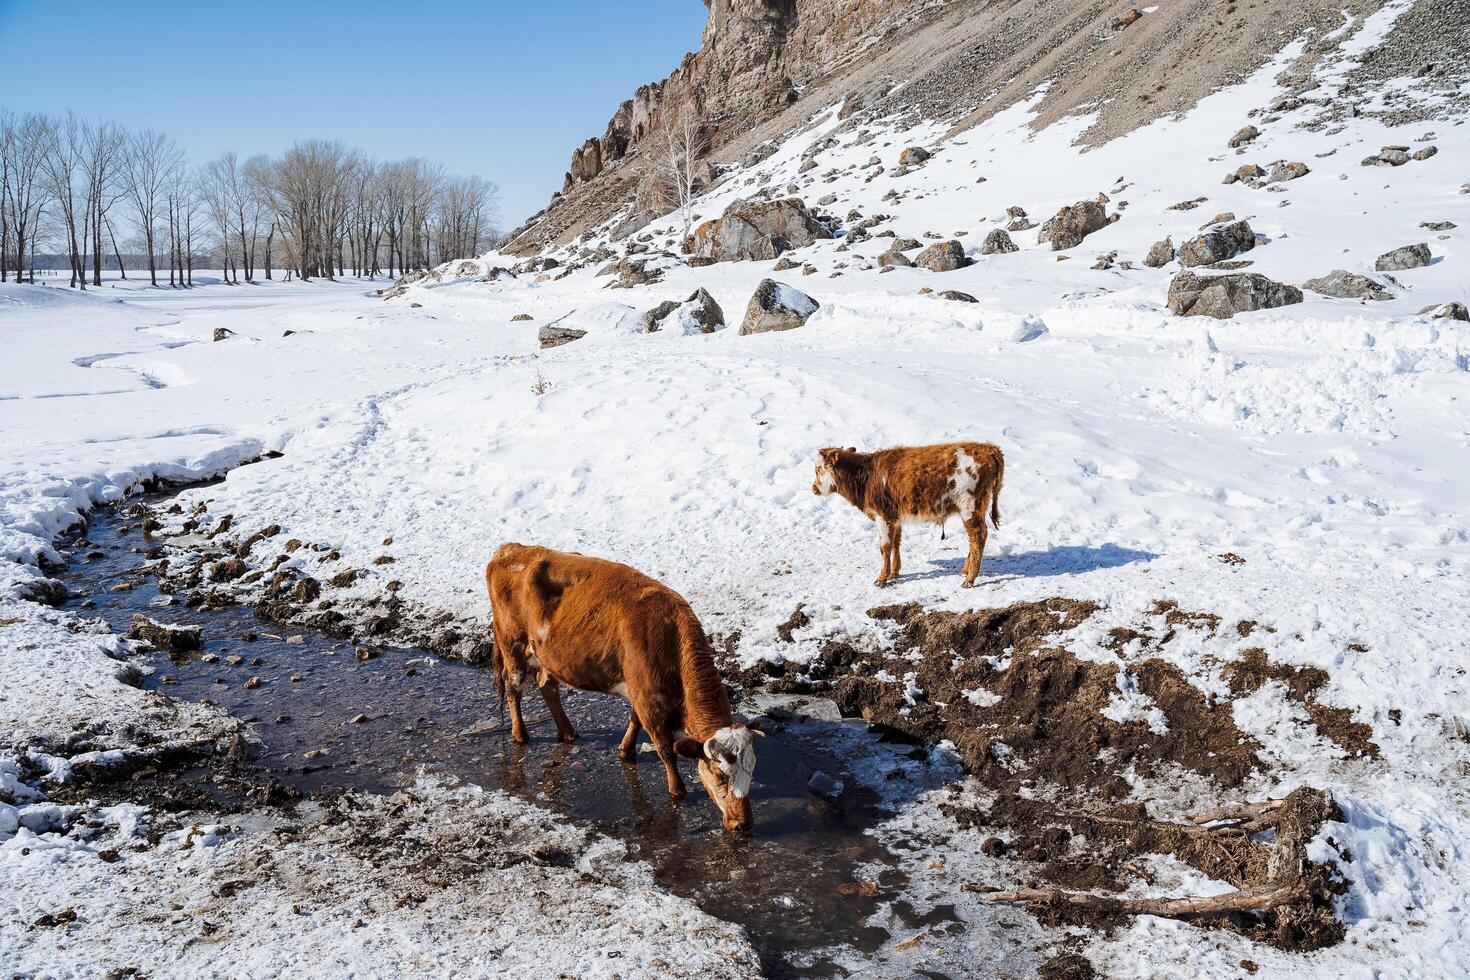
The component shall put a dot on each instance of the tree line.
(99, 195)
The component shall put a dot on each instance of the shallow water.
(329, 722)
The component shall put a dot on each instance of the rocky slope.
(766, 66)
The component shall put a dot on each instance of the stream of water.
(328, 721)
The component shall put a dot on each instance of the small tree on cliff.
(678, 145)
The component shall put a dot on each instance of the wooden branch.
(1259, 899)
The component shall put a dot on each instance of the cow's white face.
(726, 771)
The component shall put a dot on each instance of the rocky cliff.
(765, 66)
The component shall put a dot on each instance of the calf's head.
(726, 764)
(828, 461)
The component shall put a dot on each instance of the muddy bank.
(1065, 745)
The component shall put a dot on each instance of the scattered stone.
(227, 570)
(942, 257)
(220, 333)
(893, 258)
(1245, 173)
(958, 297)
(1224, 296)
(906, 244)
(912, 156)
(1160, 254)
(1425, 153)
(1348, 285)
(252, 683)
(1446, 311)
(1070, 225)
(1188, 205)
(776, 306)
(1287, 171)
(169, 639)
(699, 313)
(519, 317)
(365, 654)
(344, 578)
(1126, 18)
(1243, 135)
(1222, 241)
(824, 785)
(1404, 257)
(998, 243)
(1438, 225)
(827, 199)
(1389, 156)
(359, 719)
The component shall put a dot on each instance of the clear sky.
(505, 89)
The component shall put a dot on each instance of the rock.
(521, 317)
(344, 578)
(956, 296)
(1245, 172)
(998, 243)
(1105, 261)
(824, 785)
(1446, 311)
(750, 230)
(631, 225)
(906, 244)
(1438, 225)
(776, 306)
(1287, 171)
(697, 314)
(220, 333)
(782, 264)
(1347, 285)
(1160, 254)
(252, 683)
(912, 156)
(1244, 135)
(1425, 153)
(894, 258)
(1070, 225)
(827, 199)
(169, 639)
(1224, 296)
(942, 257)
(1126, 19)
(1219, 242)
(1404, 257)
(1389, 156)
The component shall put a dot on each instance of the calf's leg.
(517, 723)
(975, 529)
(895, 539)
(885, 546)
(663, 744)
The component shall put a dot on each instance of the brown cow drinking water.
(918, 483)
(595, 625)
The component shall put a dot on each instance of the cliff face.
(765, 66)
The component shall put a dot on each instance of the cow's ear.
(689, 748)
(852, 449)
(828, 453)
(755, 727)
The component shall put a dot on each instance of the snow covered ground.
(1326, 444)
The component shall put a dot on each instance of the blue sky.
(504, 89)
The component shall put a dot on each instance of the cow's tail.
(1000, 475)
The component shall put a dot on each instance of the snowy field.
(1327, 444)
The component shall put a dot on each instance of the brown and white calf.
(596, 625)
(918, 483)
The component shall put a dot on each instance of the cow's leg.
(663, 744)
(895, 539)
(513, 702)
(551, 692)
(628, 749)
(885, 546)
(975, 528)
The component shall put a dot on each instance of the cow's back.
(929, 482)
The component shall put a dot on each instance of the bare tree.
(678, 145)
(151, 161)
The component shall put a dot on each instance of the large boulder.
(1244, 135)
(892, 257)
(630, 225)
(1070, 225)
(1226, 295)
(757, 230)
(912, 156)
(697, 314)
(1404, 257)
(1221, 241)
(776, 306)
(1347, 285)
(942, 257)
(998, 243)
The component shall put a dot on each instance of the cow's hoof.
(678, 796)
(967, 584)
(567, 737)
(881, 583)
(630, 756)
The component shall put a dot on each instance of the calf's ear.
(689, 748)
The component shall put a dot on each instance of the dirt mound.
(1254, 670)
(992, 683)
